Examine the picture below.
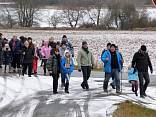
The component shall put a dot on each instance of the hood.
(46, 41)
(66, 51)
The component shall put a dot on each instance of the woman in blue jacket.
(67, 67)
(133, 73)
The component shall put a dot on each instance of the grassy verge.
(128, 109)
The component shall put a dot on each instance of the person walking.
(1, 47)
(67, 68)
(28, 54)
(141, 61)
(16, 48)
(7, 57)
(112, 62)
(54, 68)
(45, 51)
(85, 60)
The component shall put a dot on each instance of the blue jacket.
(18, 48)
(132, 76)
(7, 57)
(107, 64)
(63, 66)
(69, 45)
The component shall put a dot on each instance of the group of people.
(58, 59)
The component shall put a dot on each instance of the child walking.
(133, 73)
(36, 57)
(67, 67)
(7, 57)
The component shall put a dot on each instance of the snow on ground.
(128, 41)
(21, 96)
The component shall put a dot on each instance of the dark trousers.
(143, 76)
(86, 70)
(0, 58)
(29, 65)
(55, 81)
(63, 77)
(16, 61)
(44, 66)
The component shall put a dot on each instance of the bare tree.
(26, 10)
(55, 19)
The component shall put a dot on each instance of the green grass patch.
(128, 109)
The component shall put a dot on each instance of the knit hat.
(66, 51)
(143, 48)
(15, 36)
(113, 45)
(6, 45)
(84, 42)
(64, 36)
(108, 44)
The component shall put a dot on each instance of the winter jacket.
(53, 45)
(107, 64)
(132, 76)
(18, 48)
(84, 59)
(45, 51)
(29, 53)
(69, 45)
(52, 64)
(7, 56)
(36, 51)
(63, 66)
(1, 44)
(141, 62)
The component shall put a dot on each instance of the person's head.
(67, 54)
(51, 39)
(112, 48)
(5, 40)
(22, 38)
(56, 51)
(64, 38)
(84, 44)
(108, 46)
(46, 43)
(129, 67)
(35, 44)
(64, 45)
(7, 46)
(143, 49)
(1, 35)
(29, 39)
(117, 49)
(26, 44)
(58, 45)
(14, 37)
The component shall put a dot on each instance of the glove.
(72, 55)
(151, 71)
(79, 70)
(44, 57)
(92, 67)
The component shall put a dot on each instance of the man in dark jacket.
(52, 43)
(141, 61)
(28, 54)
(16, 48)
(1, 41)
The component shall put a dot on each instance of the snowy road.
(32, 97)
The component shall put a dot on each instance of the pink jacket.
(45, 50)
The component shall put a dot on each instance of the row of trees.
(121, 13)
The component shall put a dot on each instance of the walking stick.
(121, 81)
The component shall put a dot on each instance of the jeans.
(0, 58)
(116, 75)
(44, 67)
(86, 70)
(63, 77)
(67, 76)
(143, 76)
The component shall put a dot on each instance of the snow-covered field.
(32, 97)
(128, 41)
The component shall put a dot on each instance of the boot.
(105, 91)
(9, 70)
(14, 70)
(136, 93)
(4, 70)
(133, 89)
(118, 92)
(66, 88)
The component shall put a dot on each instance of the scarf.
(85, 49)
(14, 45)
(68, 62)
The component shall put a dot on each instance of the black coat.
(29, 53)
(53, 45)
(141, 62)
